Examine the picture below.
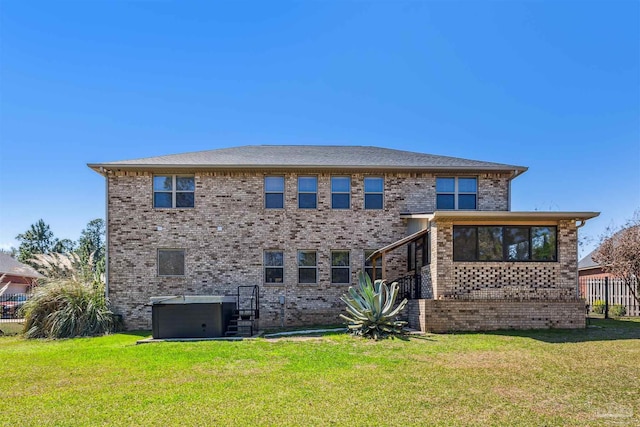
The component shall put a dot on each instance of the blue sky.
(554, 86)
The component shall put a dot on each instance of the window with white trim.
(340, 192)
(274, 192)
(307, 267)
(340, 267)
(456, 193)
(173, 191)
(368, 265)
(373, 193)
(307, 192)
(273, 266)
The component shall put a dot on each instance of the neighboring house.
(300, 221)
(16, 281)
(16, 277)
(588, 267)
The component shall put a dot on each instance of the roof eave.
(102, 168)
(540, 215)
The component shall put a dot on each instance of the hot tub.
(195, 316)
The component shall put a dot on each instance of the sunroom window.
(505, 243)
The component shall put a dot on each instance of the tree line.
(40, 240)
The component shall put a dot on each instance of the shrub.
(66, 308)
(371, 308)
(618, 310)
(598, 306)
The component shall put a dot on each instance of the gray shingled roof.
(308, 156)
(11, 266)
(587, 262)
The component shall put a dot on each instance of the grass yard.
(534, 378)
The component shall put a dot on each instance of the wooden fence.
(611, 289)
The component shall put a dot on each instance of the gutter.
(102, 168)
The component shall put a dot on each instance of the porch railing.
(409, 287)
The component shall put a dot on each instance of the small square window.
(171, 262)
(457, 193)
(173, 191)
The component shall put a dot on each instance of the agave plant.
(371, 308)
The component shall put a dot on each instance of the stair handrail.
(254, 304)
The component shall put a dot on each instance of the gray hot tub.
(197, 316)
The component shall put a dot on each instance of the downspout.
(582, 223)
(509, 193)
(106, 232)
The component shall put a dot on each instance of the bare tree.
(619, 254)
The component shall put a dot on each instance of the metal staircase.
(244, 322)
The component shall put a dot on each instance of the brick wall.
(451, 315)
(506, 280)
(220, 259)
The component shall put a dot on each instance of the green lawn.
(535, 378)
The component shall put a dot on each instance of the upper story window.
(307, 267)
(273, 266)
(307, 192)
(504, 243)
(340, 192)
(457, 193)
(340, 267)
(171, 262)
(373, 193)
(274, 192)
(173, 191)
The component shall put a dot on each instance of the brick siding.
(477, 315)
(225, 234)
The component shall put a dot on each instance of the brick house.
(300, 221)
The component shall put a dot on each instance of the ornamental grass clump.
(65, 308)
(371, 308)
(70, 302)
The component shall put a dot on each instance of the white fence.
(618, 293)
